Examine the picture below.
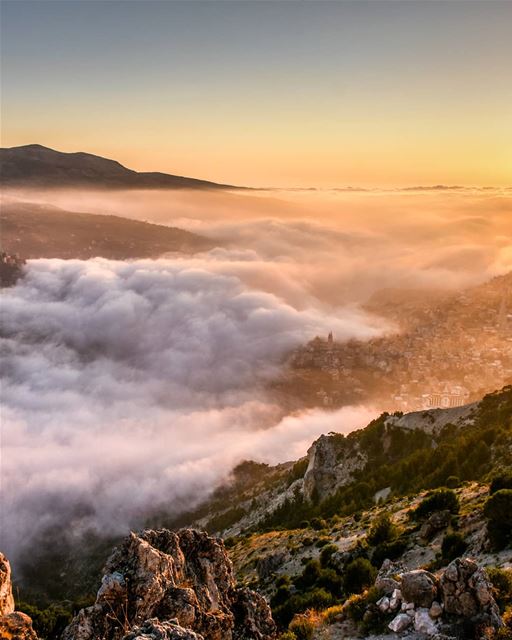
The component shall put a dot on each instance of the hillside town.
(445, 355)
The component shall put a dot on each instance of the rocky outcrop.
(155, 630)
(419, 587)
(332, 463)
(432, 421)
(6, 597)
(14, 625)
(161, 584)
(467, 592)
(438, 521)
(433, 605)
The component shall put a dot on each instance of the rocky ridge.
(14, 625)
(172, 585)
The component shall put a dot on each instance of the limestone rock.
(436, 610)
(419, 587)
(182, 576)
(14, 625)
(386, 580)
(438, 521)
(423, 623)
(467, 592)
(383, 604)
(6, 597)
(400, 623)
(332, 463)
(155, 630)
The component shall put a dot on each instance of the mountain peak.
(34, 165)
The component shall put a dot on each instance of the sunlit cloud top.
(267, 93)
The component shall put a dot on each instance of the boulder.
(400, 623)
(467, 592)
(438, 521)
(387, 578)
(419, 587)
(6, 597)
(423, 623)
(436, 610)
(14, 625)
(183, 578)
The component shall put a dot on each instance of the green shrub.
(48, 623)
(298, 470)
(318, 524)
(359, 575)
(503, 481)
(502, 586)
(498, 511)
(452, 482)
(330, 580)
(388, 551)
(309, 575)
(438, 500)
(326, 554)
(382, 530)
(302, 627)
(453, 545)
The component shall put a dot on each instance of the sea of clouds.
(134, 387)
(130, 388)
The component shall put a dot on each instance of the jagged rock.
(395, 600)
(383, 604)
(155, 630)
(184, 576)
(253, 617)
(400, 623)
(332, 463)
(438, 521)
(467, 592)
(14, 625)
(386, 580)
(6, 597)
(436, 610)
(423, 623)
(419, 587)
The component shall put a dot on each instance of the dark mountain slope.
(37, 231)
(37, 166)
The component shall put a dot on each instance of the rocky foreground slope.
(172, 585)
(14, 625)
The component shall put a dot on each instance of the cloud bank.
(133, 387)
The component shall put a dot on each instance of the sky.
(267, 93)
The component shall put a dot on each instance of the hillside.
(447, 351)
(36, 166)
(38, 231)
(364, 535)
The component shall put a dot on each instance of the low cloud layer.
(130, 387)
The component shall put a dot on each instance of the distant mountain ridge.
(34, 165)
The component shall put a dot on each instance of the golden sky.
(267, 94)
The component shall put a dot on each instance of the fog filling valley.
(135, 387)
